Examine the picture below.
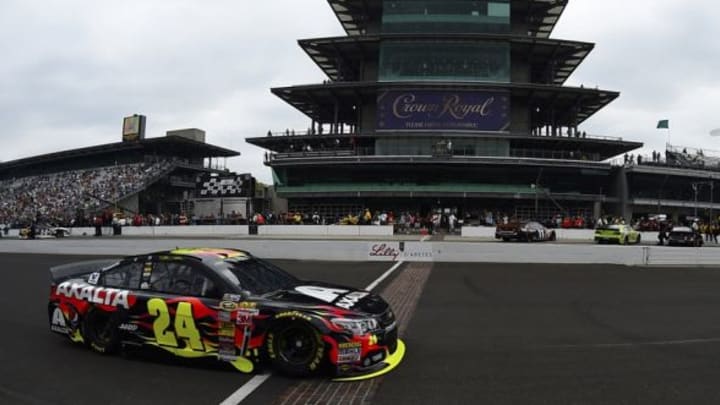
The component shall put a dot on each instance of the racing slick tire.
(637, 242)
(553, 237)
(295, 348)
(506, 239)
(100, 332)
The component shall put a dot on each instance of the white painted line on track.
(384, 276)
(634, 344)
(246, 389)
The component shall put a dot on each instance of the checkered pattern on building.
(223, 186)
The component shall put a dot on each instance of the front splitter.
(391, 362)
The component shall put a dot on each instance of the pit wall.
(237, 230)
(309, 230)
(562, 234)
(388, 251)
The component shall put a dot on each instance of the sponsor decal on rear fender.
(97, 295)
(58, 323)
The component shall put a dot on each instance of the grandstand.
(149, 176)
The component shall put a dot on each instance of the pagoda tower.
(445, 105)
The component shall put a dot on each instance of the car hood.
(312, 293)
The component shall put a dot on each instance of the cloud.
(74, 68)
(77, 67)
(661, 56)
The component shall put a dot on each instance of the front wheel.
(100, 332)
(295, 348)
(638, 239)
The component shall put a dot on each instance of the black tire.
(295, 348)
(100, 331)
(553, 237)
(638, 239)
(506, 239)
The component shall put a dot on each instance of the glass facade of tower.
(444, 61)
(445, 16)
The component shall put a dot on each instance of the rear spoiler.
(59, 274)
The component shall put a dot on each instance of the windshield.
(255, 275)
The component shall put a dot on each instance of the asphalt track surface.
(480, 334)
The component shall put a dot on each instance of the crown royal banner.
(442, 110)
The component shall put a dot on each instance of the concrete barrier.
(308, 230)
(562, 234)
(388, 251)
(477, 232)
(165, 231)
(325, 230)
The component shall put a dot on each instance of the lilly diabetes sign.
(442, 110)
(396, 251)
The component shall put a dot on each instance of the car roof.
(206, 253)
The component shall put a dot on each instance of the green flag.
(663, 124)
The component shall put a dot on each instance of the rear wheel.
(638, 239)
(295, 348)
(553, 237)
(100, 332)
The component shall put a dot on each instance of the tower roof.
(340, 57)
(542, 15)
(323, 102)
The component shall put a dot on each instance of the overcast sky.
(72, 69)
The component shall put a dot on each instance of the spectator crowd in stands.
(56, 198)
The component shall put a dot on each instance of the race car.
(524, 231)
(43, 232)
(622, 234)
(228, 305)
(684, 236)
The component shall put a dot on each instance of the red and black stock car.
(224, 304)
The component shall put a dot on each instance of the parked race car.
(684, 236)
(622, 234)
(228, 305)
(524, 231)
(43, 232)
